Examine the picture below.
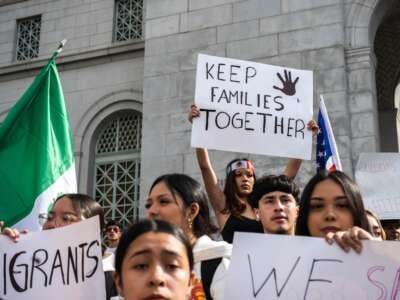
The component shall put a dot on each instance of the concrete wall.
(87, 24)
(331, 37)
(99, 77)
(293, 33)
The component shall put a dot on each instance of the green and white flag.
(36, 152)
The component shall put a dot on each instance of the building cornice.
(73, 60)
(8, 2)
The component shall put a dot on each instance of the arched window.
(117, 167)
(387, 46)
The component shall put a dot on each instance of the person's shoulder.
(111, 250)
(108, 262)
(205, 248)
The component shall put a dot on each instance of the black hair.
(112, 223)
(349, 188)
(146, 226)
(190, 191)
(233, 205)
(373, 215)
(272, 183)
(85, 206)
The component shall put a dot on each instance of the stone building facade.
(128, 97)
(346, 43)
(101, 69)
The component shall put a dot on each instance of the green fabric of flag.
(35, 145)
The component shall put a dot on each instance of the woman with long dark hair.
(375, 225)
(231, 206)
(181, 200)
(331, 207)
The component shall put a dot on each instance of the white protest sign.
(377, 175)
(267, 266)
(63, 263)
(253, 108)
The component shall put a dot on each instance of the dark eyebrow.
(158, 196)
(167, 252)
(287, 197)
(316, 199)
(344, 197)
(173, 193)
(140, 252)
(64, 213)
(148, 251)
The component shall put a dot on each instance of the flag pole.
(60, 48)
(61, 45)
(327, 133)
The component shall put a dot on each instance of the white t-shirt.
(108, 262)
(110, 250)
(205, 249)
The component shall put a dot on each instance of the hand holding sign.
(349, 239)
(265, 266)
(193, 113)
(63, 263)
(13, 233)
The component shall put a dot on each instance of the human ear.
(193, 211)
(257, 212)
(118, 284)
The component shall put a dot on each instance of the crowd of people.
(173, 253)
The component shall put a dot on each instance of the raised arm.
(214, 192)
(292, 167)
(210, 179)
(294, 164)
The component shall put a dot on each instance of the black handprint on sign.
(289, 86)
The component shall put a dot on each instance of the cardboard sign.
(377, 175)
(284, 267)
(63, 263)
(253, 108)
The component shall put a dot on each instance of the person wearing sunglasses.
(112, 236)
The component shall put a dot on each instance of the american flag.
(327, 154)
